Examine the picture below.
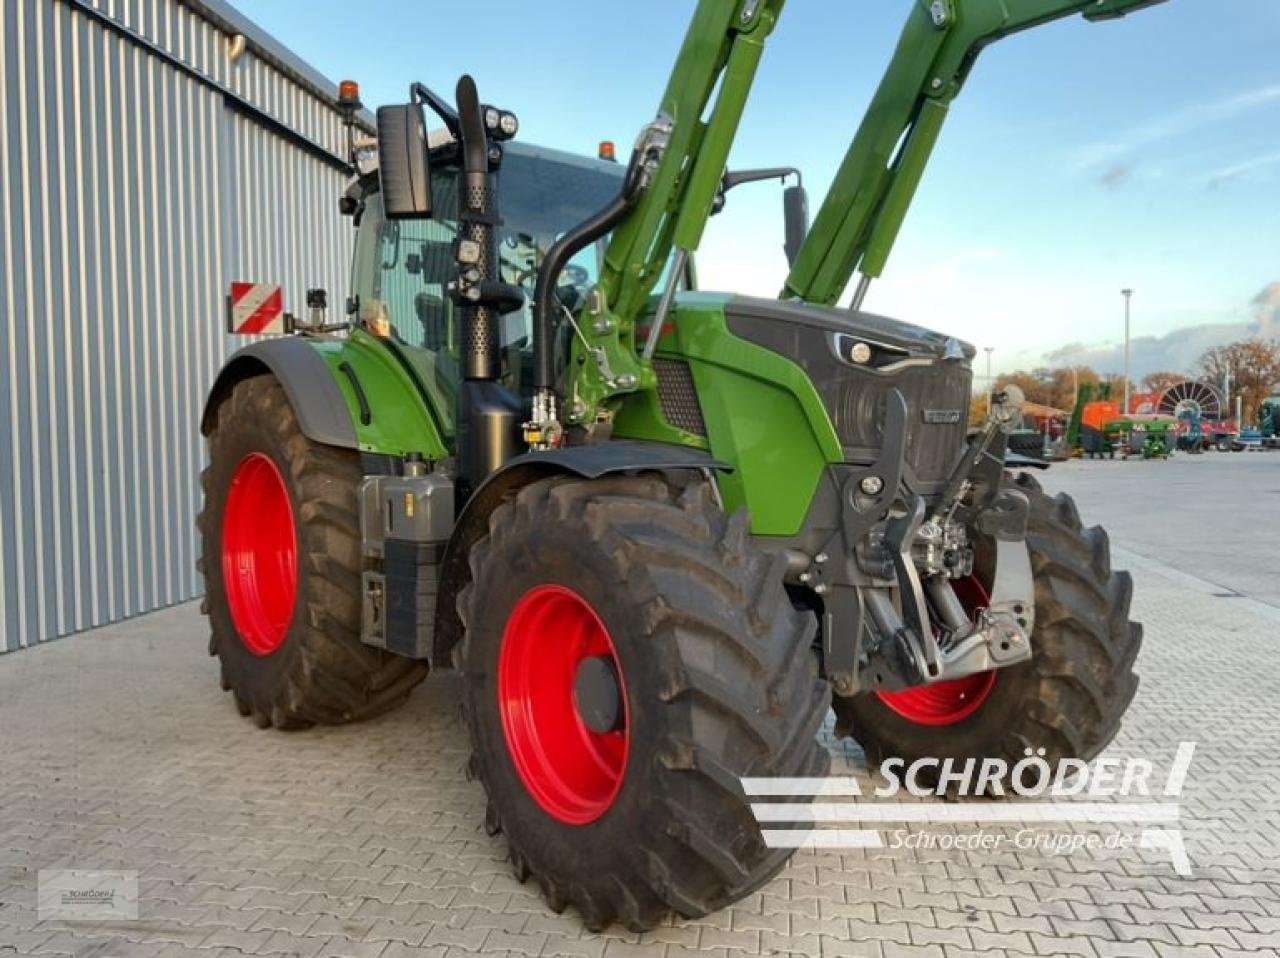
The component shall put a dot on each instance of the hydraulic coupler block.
(405, 524)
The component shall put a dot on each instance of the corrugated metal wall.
(131, 194)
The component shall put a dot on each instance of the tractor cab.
(402, 267)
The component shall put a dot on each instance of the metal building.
(148, 156)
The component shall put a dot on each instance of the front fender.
(588, 462)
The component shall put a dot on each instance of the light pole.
(1128, 295)
(990, 382)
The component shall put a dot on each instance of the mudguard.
(313, 393)
(589, 462)
(357, 392)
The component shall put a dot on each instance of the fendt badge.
(941, 417)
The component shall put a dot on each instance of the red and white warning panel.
(256, 309)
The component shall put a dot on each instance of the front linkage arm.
(886, 573)
(863, 211)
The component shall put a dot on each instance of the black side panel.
(315, 397)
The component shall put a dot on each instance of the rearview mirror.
(402, 162)
(795, 213)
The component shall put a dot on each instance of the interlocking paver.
(364, 841)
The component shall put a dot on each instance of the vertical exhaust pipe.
(477, 253)
(488, 415)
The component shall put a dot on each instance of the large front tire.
(1068, 698)
(281, 563)
(650, 583)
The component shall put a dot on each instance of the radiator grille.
(677, 396)
(934, 383)
(859, 407)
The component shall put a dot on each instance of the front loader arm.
(695, 127)
(723, 45)
(863, 211)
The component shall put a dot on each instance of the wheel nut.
(871, 485)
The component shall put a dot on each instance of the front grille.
(934, 392)
(677, 396)
(924, 366)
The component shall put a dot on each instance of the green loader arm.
(863, 211)
(691, 136)
(689, 143)
(723, 45)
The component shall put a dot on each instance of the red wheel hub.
(553, 640)
(946, 703)
(259, 554)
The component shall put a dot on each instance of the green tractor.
(660, 532)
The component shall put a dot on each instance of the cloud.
(1178, 349)
(1266, 311)
(1110, 152)
(1242, 168)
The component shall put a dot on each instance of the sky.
(1081, 158)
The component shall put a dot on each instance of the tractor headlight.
(508, 124)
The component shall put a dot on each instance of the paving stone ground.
(119, 751)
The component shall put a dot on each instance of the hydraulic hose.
(564, 249)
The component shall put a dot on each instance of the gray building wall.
(132, 191)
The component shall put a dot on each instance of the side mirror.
(795, 213)
(402, 162)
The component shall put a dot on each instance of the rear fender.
(354, 393)
(322, 411)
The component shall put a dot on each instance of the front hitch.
(923, 634)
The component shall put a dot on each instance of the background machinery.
(1269, 421)
(660, 532)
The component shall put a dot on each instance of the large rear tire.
(1068, 698)
(648, 584)
(281, 563)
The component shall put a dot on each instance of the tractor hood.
(891, 340)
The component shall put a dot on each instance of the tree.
(1116, 383)
(1032, 386)
(1054, 385)
(1159, 382)
(1064, 382)
(1254, 368)
(978, 409)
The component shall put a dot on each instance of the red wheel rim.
(259, 554)
(946, 703)
(573, 772)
